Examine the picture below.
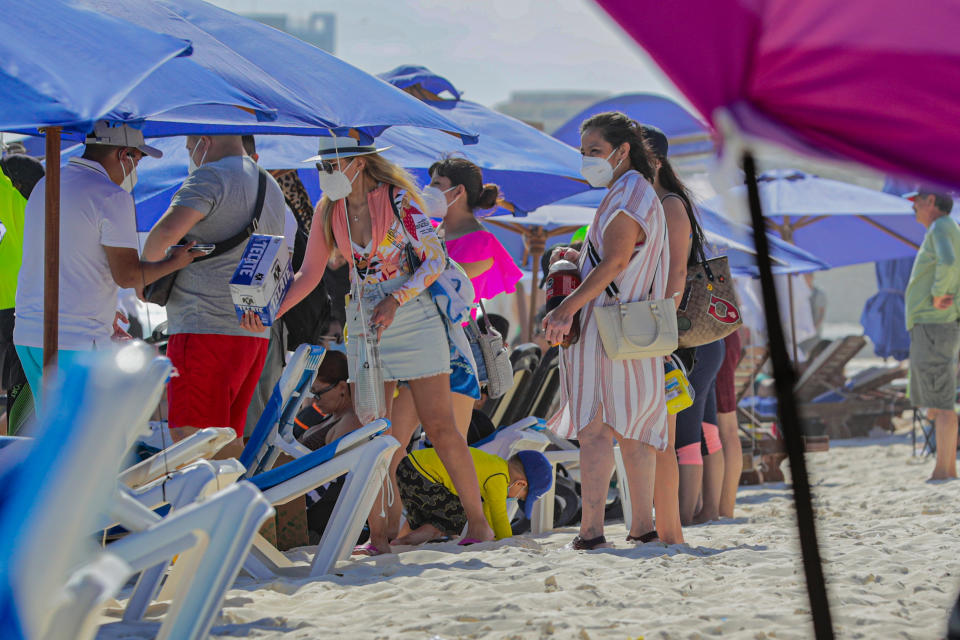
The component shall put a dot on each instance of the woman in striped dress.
(603, 399)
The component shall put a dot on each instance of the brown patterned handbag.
(709, 309)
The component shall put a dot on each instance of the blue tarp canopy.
(724, 237)
(57, 63)
(822, 216)
(308, 87)
(688, 135)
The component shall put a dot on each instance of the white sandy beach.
(889, 539)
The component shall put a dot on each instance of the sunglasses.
(325, 166)
(318, 393)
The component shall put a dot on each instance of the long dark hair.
(616, 128)
(460, 171)
(669, 180)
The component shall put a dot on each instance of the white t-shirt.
(94, 213)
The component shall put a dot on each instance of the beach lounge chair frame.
(69, 480)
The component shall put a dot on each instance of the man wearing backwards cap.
(98, 249)
(933, 320)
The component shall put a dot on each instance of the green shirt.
(11, 240)
(936, 272)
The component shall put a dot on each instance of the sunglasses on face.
(325, 166)
(319, 392)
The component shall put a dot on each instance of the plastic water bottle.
(369, 402)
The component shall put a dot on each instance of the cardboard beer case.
(262, 277)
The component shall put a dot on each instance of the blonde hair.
(382, 171)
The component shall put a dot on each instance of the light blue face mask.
(513, 505)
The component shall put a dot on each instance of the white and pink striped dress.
(629, 394)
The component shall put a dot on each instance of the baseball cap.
(118, 134)
(539, 474)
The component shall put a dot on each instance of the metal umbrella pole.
(784, 379)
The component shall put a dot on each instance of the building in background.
(319, 28)
(547, 110)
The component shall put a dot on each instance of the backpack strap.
(236, 240)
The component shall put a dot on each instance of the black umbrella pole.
(784, 379)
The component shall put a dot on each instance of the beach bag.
(709, 310)
(494, 355)
(632, 330)
(158, 291)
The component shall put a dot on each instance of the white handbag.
(633, 330)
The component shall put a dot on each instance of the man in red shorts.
(218, 362)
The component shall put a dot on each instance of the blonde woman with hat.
(370, 210)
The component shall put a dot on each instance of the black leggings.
(703, 378)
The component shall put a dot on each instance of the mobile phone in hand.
(205, 249)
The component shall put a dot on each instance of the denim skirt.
(414, 346)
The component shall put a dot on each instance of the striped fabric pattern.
(628, 394)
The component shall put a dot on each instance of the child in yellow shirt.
(433, 508)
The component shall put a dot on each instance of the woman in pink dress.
(604, 399)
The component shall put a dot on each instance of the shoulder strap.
(696, 233)
(236, 240)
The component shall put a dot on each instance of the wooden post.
(535, 239)
(51, 253)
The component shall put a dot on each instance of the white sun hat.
(332, 147)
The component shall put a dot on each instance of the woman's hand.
(251, 322)
(557, 323)
(564, 253)
(383, 315)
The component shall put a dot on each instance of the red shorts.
(726, 389)
(216, 378)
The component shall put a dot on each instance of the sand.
(889, 540)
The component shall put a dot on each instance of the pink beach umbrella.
(873, 81)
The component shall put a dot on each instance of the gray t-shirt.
(225, 192)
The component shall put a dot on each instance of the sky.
(487, 48)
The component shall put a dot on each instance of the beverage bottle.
(562, 279)
(369, 402)
(679, 391)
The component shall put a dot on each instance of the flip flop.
(367, 549)
(466, 542)
(589, 544)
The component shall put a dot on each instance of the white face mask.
(435, 201)
(193, 165)
(336, 185)
(129, 179)
(598, 171)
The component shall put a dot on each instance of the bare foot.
(939, 475)
(704, 517)
(421, 534)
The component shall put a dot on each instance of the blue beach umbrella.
(823, 216)
(688, 135)
(724, 237)
(531, 167)
(52, 63)
(884, 314)
(309, 88)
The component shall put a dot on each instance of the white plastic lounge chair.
(66, 480)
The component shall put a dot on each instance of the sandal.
(583, 544)
(466, 542)
(367, 549)
(649, 536)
